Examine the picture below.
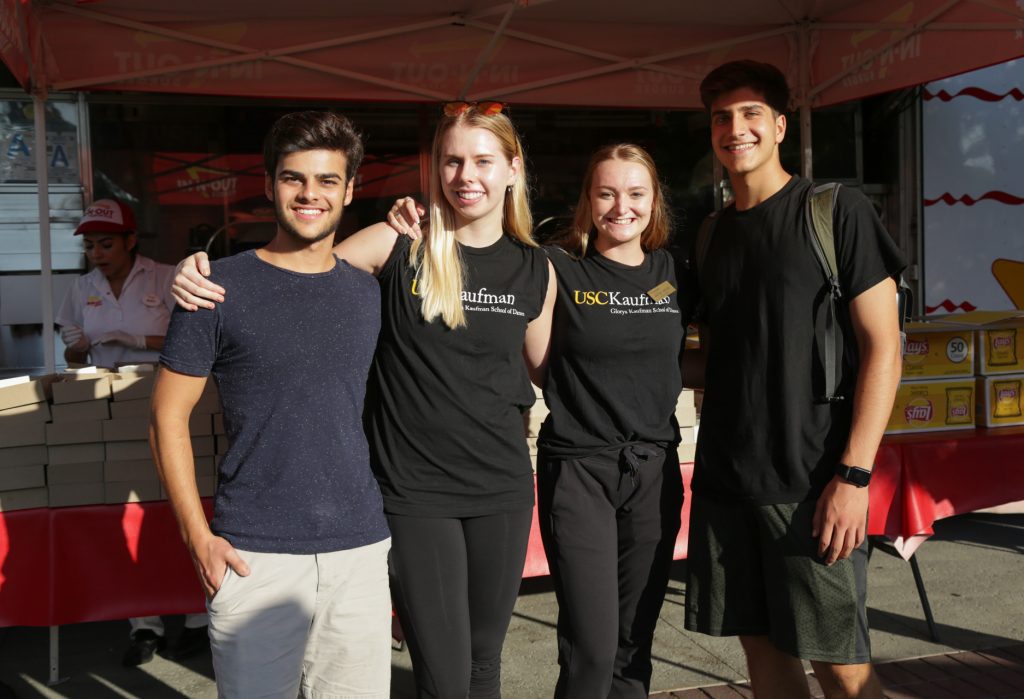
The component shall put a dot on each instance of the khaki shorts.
(754, 570)
(320, 623)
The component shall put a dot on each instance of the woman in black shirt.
(609, 485)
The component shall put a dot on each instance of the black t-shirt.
(765, 437)
(290, 353)
(613, 374)
(445, 420)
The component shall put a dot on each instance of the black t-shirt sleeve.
(190, 346)
(539, 261)
(688, 294)
(866, 252)
(396, 258)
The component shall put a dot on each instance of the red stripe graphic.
(948, 306)
(977, 93)
(968, 200)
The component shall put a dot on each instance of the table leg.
(55, 677)
(925, 606)
(883, 544)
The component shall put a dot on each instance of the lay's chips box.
(1000, 351)
(931, 406)
(1000, 400)
(940, 354)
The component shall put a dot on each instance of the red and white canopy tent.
(644, 53)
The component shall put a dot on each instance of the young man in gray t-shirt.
(294, 563)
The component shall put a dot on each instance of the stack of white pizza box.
(90, 443)
(532, 420)
(207, 429)
(129, 472)
(686, 416)
(23, 416)
(74, 438)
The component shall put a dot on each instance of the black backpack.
(819, 210)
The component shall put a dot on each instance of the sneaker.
(141, 647)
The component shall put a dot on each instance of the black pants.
(609, 524)
(454, 583)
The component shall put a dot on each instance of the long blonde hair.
(577, 238)
(436, 257)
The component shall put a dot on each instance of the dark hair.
(763, 78)
(313, 130)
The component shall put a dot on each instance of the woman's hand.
(191, 289)
(405, 217)
(120, 337)
(74, 338)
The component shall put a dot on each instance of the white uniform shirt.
(144, 308)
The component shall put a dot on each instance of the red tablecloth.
(925, 477)
(78, 564)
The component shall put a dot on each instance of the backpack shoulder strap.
(819, 209)
(821, 205)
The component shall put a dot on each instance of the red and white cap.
(107, 216)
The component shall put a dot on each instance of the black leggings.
(609, 524)
(454, 583)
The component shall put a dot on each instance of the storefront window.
(194, 173)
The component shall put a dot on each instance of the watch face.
(859, 477)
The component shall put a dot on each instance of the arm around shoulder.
(369, 248)
(537, 344)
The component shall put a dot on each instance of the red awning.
(647, 53)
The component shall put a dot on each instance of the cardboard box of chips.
(933, 351)
(999, 340)
(1000, 351)
(930, 406)
(1000, 400)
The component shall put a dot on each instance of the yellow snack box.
(1000, 400)
(1001, 351)
(930, 406)
(932, 355)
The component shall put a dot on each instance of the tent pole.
(45, 258)
(806, 154)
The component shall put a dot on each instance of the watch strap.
(855, 475)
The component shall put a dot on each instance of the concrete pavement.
(972, 569)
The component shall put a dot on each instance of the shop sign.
(18, 159)
(202, 179)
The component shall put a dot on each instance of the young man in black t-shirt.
(777, 551)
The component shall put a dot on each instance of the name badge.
(661, 291)
(151, 300)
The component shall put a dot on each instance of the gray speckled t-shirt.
(290, 354)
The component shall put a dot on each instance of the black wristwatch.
(856, 475)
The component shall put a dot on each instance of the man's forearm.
(873, 398)
(172, 451)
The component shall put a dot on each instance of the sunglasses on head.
(454, 109)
